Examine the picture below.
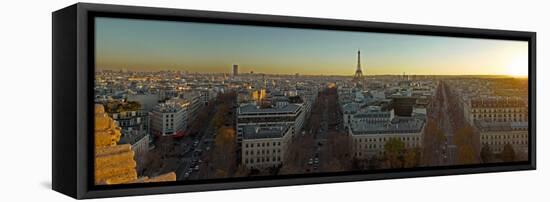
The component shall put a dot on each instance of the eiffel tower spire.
(358, 72)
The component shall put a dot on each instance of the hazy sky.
(150, 45)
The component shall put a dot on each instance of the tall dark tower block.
(235, 70)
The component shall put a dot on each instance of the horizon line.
(294, 74)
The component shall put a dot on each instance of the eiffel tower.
(358, 73)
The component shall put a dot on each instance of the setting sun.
(518, 67)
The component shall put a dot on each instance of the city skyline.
(149, 45)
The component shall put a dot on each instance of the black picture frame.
(72, 106)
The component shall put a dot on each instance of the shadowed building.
(265, 147)
(235, 70)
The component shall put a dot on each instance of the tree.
(338, 150)
(152, 164)
(411, 158)
(394, 148)
(486, 154)
(432, 141)
(241, 171)
(298, 152)
(464, 139)
(218, 120)
(374, 163)
(508, 153)
(225, 137)
(223, 157)
(466, 155)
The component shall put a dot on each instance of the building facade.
(253, 115)
(497, 109)
(497, 135)
(265, 146)
(500, 121)
(169, 118)
(369, 139)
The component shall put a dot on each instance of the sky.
(153, 45)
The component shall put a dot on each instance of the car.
(310, 162)
(186, 175)
(316, 161)
(196, 167)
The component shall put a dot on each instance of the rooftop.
(485, 126)
(132, 138)
(260, 132)
(401, 125)
(167, 108)
(499, 102)
(254, 109)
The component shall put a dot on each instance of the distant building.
(147, 100)
(169, 118)
(265, 146)
(403, 105)
(207, 95)
(258, 96)
(235, 70)
(194, 103)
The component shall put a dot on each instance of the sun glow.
(518, 67)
